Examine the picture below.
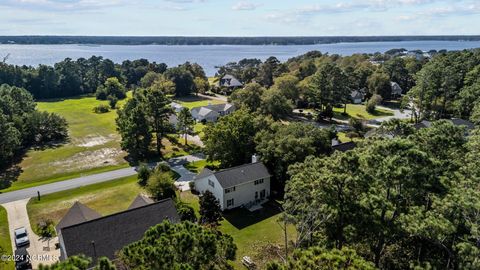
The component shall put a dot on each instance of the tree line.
(84, 76)
(22, 126)
(125, 40)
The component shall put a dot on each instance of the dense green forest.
(178, 40)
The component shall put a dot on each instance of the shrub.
(186, 213)
(144, 173)
(161, 185)
(112, 101)
(356, 124)
(102, 108)
(101, 93)
(162, 167)
(46, 229)
(372, 103)
(191, 184)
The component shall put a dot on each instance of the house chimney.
(255, 158)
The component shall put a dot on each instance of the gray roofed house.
(397, 91)
(357, 96)
(104, 236)
(456, 121)
(238, 186)
(229, 81)
(212, 112)
(78, 213)
(140, 200)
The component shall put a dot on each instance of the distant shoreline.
(179, 40)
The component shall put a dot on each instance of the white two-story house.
(244, 185)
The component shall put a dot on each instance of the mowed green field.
(193, 101)
(5, 244)
(93, 147)
(359, 111)
(105, 198)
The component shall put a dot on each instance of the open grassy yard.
(258, 234)
(198, 129)
(359, 111)
(197, 166)
(5, 245)
(94, 145)
(193, 101)
(342, 137)
(106, 198)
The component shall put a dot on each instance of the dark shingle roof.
(343, 147)
(456, 121)
(357, 94)
(139, 201)
(242, 174)
(110, 234)
(78, 213)
(461, 122)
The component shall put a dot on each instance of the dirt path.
(41, 250)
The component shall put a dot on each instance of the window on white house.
(211, 183)
(258, 182)
(228, 190)
(230, 202)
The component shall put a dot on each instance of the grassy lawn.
(106, 198)
(94, 145)
(342, 137)
(359, 111)
(5, 245)
(197, 166)
(258, 235)
(193, 101)
(198, 129)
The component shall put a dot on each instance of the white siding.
(245, 193)
(201, 185)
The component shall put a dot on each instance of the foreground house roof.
(105, 236)
(238, 175)
(139, 201)
(78, 213)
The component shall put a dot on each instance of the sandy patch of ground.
(91, 141)
(89, 159)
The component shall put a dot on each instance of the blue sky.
(239, 18)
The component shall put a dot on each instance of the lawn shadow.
(241, 218)
(9, 175)
(52, 100)
(381, 113)
(191, 98)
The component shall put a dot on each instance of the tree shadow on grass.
(9, 175)
(191, 98)
(241, 218)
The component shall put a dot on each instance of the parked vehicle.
(21, 237)
(22, 259)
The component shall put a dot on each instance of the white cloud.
(244, 5)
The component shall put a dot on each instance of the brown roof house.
(84, 231)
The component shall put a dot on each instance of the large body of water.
(209, 56)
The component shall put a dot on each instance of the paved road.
(65, 185)
(41, 250)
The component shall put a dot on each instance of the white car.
(21, 237)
